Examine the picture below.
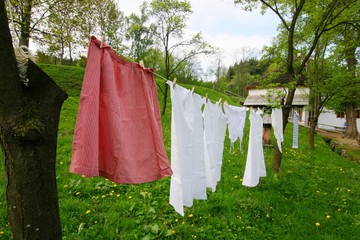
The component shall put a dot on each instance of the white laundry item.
(188, 181)
(277, 124)
(236, 117)
(296, 130)
(255, 162)
(214, 135)
(198, 159)
(181, 149)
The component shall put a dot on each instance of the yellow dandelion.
(130, 197)
(349, 190)
(65, 186)
(78, 193)
(111, 194)
(114, 184)
(317, 224)
(103, 196)
(190, 215)
(88, 211)
(173, 232)
(1, 232)
(118, 195)
(176, 220)
(327, 216)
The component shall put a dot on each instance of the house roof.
(255, 98)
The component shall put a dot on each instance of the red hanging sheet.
(118, 133)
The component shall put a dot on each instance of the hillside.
(317, 197)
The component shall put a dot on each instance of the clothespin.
(206, 97)
(192, 90)
(174, 82)
(141, 62)
(102, 41)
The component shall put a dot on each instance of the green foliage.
(242, 74)
(140, 35)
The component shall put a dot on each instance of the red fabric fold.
(118, 133)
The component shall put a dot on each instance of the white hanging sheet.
(277, 124)
(215, 124)
(255, 162)
(236, 117)
(296, 130)
(187, 149)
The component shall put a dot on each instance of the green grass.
(315, 184)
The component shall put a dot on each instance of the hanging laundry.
(118, 132)
(236, 117)
(198, 158)
(277, 124)
(255, 162)
(187, 157)
(215, 124)
(296, 130)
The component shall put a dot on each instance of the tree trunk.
(165, 99)
(167, 73)
(351, 128)
(277, 159)
(286, 112)
(29, 119)
(25, 24)
(314, 120)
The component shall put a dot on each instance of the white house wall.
(328, 120)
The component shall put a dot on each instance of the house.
(328, 119)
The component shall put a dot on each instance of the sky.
(223, 25)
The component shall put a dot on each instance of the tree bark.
(25, 23)
(351, 128)
(29, 119)
(314, 120)
(286, 112)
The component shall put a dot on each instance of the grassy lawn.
(317, 197)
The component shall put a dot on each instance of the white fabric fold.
(255, 162)
(236, 117)
(277, 124)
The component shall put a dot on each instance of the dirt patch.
(346, 147)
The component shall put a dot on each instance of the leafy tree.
(303, 22)
(170, 17)
(324, 78)
(28, 15)
(29, 119)
(348, 46)
(140, 35)
(112, 23)
(243, 73)
(60, 29)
